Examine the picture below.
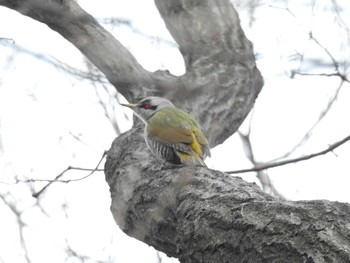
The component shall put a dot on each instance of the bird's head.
(146, 107)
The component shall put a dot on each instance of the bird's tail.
(191, 160)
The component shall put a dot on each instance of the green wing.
(173, 126)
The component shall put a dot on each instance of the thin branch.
(286, 8)
(159, 257)
(300, 159)
(20, 223)
(57, 180)
(36, 195)
(78, 138)
(308, 134)
(335, 63)
(72, 253)
(94, 77)
(80, 74)
(335, 74)
(263, 176)
(109, 113)
(6, 40)
(80, 28)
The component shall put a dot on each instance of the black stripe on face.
(147, 105)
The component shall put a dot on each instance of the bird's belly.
(162, 150)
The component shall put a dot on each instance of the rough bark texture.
(193, 213)
(221, 81)
(221, 77)
(200, 215)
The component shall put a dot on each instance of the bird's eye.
(148, 106)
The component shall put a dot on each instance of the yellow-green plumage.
(171, 133)
(175, 129)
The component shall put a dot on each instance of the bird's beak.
(131, 106)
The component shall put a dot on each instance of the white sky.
(43, 110)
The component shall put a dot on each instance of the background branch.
(295, 160)
(262, 175)
(21, 224)
(38, 193)
(179, 211)
(226, 52)
(96, 43)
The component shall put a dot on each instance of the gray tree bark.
(193, 213)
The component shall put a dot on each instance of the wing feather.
(175, 127)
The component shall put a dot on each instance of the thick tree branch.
(97, 44)
(193, 213)
(200, 215)
(221, 79)
(221, 76)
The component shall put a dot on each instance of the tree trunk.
(193, 213)
(200, 215)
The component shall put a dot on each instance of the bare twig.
(338, 10)
(337, 73)
(308, 134)
(79, 257)
(286, 8)
(20, 223)
(302, 158)
(80, 74)
(335, 62)
(263, 177)
(109, 112)
(8, 40)
(36, 195)
(57, 180)
(159, 257)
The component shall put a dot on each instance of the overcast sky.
(50, 119)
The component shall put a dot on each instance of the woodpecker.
(171, 133)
